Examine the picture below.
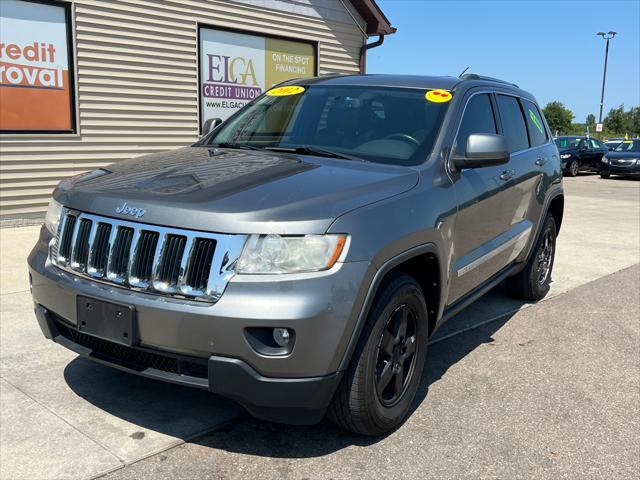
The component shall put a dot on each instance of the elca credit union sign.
(235, 68)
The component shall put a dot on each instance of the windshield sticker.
(438, 96)
(284, 91)
(535, 120)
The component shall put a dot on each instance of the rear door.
(486, 204)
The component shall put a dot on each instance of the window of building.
(478, 118)
(513, 124)
(36, 74)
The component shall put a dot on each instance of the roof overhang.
(377, 22)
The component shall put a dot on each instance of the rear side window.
(513, 123)
(478, 118)
(537, 132)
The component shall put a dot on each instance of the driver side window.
(478, 117)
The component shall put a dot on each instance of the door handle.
(541, 161)
(507, 175)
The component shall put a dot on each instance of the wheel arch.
(556, 208)
(424, 264)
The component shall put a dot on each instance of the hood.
(611, 154)
(235, 191)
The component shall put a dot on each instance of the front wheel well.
(556, 208)
(426, 270)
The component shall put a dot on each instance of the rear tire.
(533, 282)
(378, 388)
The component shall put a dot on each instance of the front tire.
(378, 388)
(605, 175)
(533, 282)
(574, 168)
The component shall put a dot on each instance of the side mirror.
(484, 150)
(210, 125)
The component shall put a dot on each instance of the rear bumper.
(287, 400)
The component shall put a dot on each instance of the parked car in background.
(623, 160)
(580, 154)
(613, 143)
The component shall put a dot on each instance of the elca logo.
(125, 209)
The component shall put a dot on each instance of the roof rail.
(475, 76)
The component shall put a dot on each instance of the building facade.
(86, 83)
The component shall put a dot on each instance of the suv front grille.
(160, 260)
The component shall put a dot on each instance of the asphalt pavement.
(550, 392)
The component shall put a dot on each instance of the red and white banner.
(35, 88)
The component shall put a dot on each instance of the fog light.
(281, 336)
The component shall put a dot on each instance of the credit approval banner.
(35, 89)
(235, 68)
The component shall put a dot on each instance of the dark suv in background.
(299, 256)
(580, 154)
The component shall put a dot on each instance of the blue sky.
(549, 48)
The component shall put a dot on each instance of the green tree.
(558, 117)
(591, 121)
(634, 113)
(618, 121)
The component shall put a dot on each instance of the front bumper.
(210, 339)
(613, 169)
(287, 400)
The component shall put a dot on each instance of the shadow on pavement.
(162, 407)
(166, 408)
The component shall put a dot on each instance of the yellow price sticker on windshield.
(438, 96)
(284, 91)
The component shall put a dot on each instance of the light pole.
(606, 36)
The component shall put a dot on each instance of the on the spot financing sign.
(235, 68)
(34, 67)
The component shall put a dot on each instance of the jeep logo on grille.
(133, 211)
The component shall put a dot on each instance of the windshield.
(387, 125)
(568, 142)
(628, 146)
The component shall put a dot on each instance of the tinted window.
(567, 142)
(513, 123)
(596, 144)
(478, 118)
(386, 125)
(629, 146)
(537, 132)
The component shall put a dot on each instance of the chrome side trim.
(497, 251)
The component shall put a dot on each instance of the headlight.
(52, 219)
(290, 254)
(564, 156)
(604, 159)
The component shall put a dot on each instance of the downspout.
(368, 46)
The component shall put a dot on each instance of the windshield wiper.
(239, 146)
(319, 152)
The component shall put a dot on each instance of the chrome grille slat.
(99, 251)
(142, 257)
(66, 237)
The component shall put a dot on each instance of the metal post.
(608, 36)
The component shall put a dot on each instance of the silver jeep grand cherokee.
(299, 256)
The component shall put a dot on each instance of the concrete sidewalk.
(65, 417)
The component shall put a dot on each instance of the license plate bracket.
(107, 320)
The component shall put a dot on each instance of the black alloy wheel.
(395, 362)
(545, 257)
